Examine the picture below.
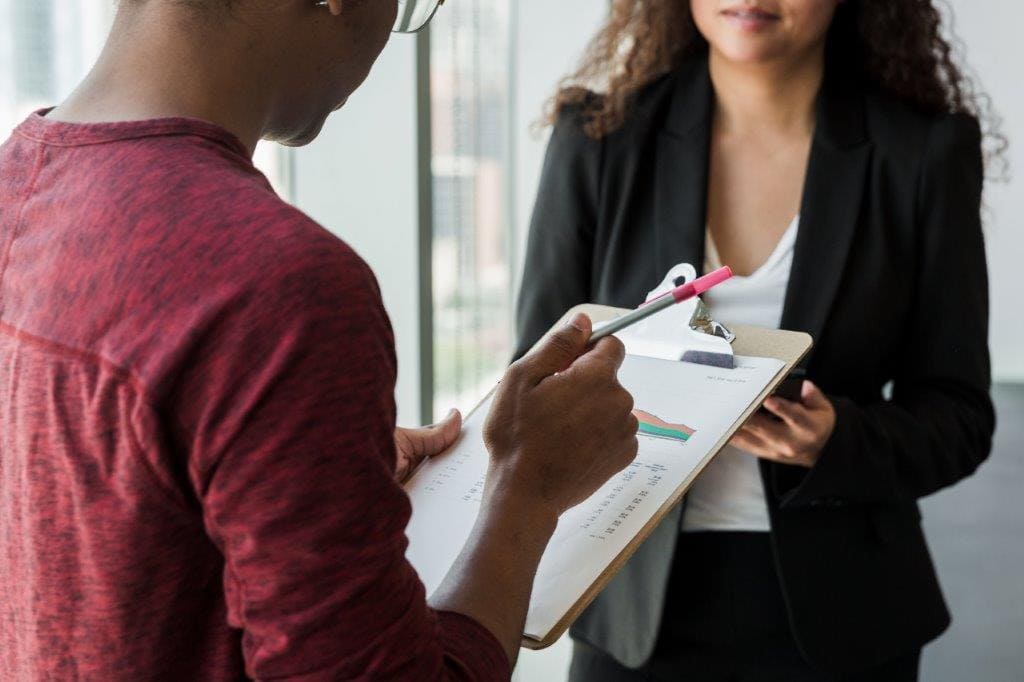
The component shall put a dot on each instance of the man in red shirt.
(197, 439)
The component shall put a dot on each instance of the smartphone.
(792, 386)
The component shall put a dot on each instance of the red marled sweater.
(196, 418)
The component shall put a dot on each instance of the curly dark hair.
(896, 46)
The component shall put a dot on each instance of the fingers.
(800, 436)
(611, 349)
(606, 356)
(759, 446)
(629, 452)
(767, 428)
(758, 439)
(557, 351)
(792, 413)
(770, 439)
(752, 443)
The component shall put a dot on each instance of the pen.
(666, 300)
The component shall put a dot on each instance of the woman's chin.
(751, 52)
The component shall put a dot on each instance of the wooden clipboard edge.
(790, 347)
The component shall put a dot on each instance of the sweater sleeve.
(938, 426)
(288, 415)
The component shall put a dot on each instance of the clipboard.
(685, 333)
(787, 346)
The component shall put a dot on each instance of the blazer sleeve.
(559, 255)
(937, 427)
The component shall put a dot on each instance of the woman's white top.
(728, 494)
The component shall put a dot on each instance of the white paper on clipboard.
(685, 410)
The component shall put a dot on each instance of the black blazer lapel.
(681, 171)
(831, 205)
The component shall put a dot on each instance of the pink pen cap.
(666, 300)
(696, 287)
(701, 284)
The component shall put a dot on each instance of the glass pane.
(46, 48)
(470, 87)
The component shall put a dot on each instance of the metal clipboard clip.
(685, 332)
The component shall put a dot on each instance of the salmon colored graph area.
(656, 427)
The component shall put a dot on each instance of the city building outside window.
(47, 47)
(470, 79)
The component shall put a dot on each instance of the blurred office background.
(430, 172)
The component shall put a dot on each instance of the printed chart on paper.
(683, 409)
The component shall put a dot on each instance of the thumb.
(449, 427)
(560, 349)
(438, 437)
(812, 397)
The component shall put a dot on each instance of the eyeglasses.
(413, 15)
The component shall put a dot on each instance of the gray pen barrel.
(632, 317)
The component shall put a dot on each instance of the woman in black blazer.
(849, 123)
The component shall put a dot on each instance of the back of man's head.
(286, 64)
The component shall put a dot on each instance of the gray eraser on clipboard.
(702, 357)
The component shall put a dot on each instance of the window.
(470, 78)
(44, 52)
(47, 47)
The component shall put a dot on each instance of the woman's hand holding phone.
(793, 432)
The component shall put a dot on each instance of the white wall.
(549, 42)
(359, 180)
(990, 33)
(76, 38)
